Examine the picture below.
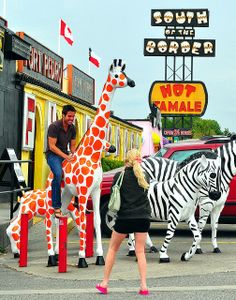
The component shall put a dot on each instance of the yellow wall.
(41, 169)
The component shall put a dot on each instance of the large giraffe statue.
(82, 177)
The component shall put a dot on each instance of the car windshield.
(161, 152)
(183, 154)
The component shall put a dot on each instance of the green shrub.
(110, 164)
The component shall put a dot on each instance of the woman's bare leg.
(114, 245)
(140, 239)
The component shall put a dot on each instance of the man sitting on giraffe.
(61, 145)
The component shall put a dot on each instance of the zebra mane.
(194, 156)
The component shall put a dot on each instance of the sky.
(116, 29)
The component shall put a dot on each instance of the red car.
(178, 151)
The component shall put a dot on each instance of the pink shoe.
(144, 292)
(102, 290)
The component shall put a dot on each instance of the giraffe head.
(118, 78)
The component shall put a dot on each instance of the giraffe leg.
(82, 198)
(13, 230)
(51, 254)
(97, 225)
(13, 233)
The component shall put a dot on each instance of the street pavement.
(211, 276)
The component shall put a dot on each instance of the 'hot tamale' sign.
(179, 98)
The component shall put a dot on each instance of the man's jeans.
(55, 164)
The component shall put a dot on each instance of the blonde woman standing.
(133, 216)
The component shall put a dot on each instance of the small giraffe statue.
(82, 177)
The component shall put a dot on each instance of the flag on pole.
(66, 32)
(94, 59)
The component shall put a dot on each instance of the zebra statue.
(159, 168)
(227, 154)
(173, 195)
(175, 200)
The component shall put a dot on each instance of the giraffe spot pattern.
(41, 211)
(82, 200)
(106, 97)
(114, 81)
(88, 150)
(109, 88)
(85, 170)
(121, 83)
(62, 184)
(88, 163)
(89, 181)
(70, 207)
(82, 217)
(75, 167)
(68, 181)
(100, 122)
(32, 205)
(107, 114)
(97, 145)
(94, 158)
(15, 228)
(41, 203)
(74, 179)
(95, 131)
(81, 179)
(80, 151)
(15, 236)
(83, 190)
(86, 142)
(91, 140)
(68, 168)
(82, 160)
(102, 135)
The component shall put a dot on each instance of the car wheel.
(106, 231)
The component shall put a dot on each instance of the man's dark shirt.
(56, 130)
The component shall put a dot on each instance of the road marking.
(118, 290)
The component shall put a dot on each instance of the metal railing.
(12, 183)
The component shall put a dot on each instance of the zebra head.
(206, 169)
(118, 78)
(210, 175)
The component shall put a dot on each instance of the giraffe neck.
(103, 110)
(97, 131)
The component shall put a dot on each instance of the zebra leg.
(215, 214)
(131, 245)
(164, 257)
(192, 223)
(204, 212)
(149, 243)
